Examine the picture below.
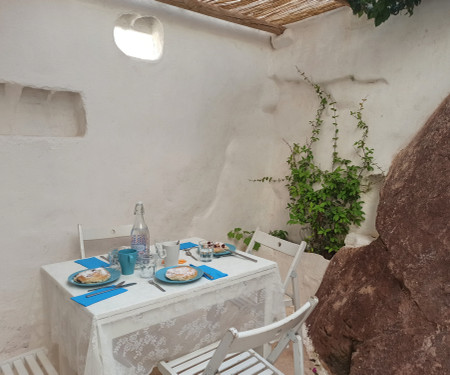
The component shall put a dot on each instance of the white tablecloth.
(131, 332)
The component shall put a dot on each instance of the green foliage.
(381, 10)
(279, 233)
(246, 236)
(328, 201)
(243, 235)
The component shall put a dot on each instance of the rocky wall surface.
(385, 308)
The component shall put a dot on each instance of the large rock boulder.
(385, 308)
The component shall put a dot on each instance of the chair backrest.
(101, 233)
(286, 247)
(283, 331)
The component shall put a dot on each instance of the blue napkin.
(82, 300)
(216, 274)
(92, 263)
(187, 245)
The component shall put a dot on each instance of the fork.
(188, 252)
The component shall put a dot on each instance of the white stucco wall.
(401, 67)
(178, 134)
(186, 133)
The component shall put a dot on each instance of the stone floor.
(311, 363)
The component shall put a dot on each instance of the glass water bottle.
(140, 235)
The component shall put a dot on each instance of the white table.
(131, 332)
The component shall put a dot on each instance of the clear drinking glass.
(205, 251)
(113, 257)
(148, 265)
(160, 254)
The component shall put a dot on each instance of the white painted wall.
(186, 133)
(402, 67)
(177, 134)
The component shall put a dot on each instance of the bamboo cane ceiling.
(267, 15)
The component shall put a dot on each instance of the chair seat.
(31, 363)
(245, 363)
(234, 354)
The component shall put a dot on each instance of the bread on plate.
(92, 276)
(182, 273)
(219, 247)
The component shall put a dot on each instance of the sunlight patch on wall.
(139, 37)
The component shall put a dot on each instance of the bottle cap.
(139, 208)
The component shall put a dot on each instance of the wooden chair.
(101, 233)
(288, 248)
(234, 354)
(31, 363)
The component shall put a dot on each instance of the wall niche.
(29, 111)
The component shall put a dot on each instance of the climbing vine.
(325, 201)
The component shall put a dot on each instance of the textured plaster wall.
(186, 133)
(178, 134)
(400, 67)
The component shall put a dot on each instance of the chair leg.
(298, 345)
(295, 291)
(298, 356)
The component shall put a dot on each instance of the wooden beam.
(226, 15)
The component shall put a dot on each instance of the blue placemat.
(216, 274)
(82, 300)
(92, 263)
(187, 245)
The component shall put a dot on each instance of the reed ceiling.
(267, 15)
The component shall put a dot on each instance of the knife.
(109, 290)
(233, 252)
(152, 282)
(204, 273)
(109, 286)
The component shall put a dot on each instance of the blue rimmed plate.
(115, 274)
(161, 275)
(226, 252)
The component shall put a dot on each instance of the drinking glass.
(148, 265)
(205, 251)
(113, 257)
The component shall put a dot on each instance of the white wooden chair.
(234, 354)
(31, 363)
(288, 248)
(101, 233)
